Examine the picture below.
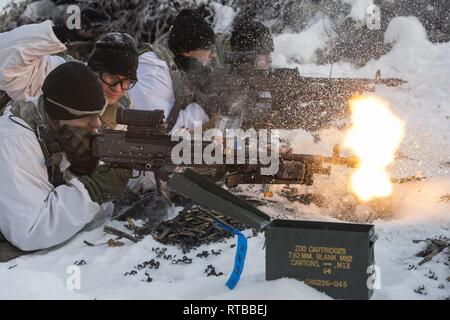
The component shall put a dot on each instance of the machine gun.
(290, 82)
(281, 98)
(146, 147)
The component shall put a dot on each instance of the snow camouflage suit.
(240, 105)
(184, 92)
(34, 115)
(5, 99)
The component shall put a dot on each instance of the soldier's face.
(114, 86)
(202, 55)
(112, 94)
(90, 123)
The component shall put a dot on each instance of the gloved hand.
(94, 22)
(77, 144)
(106, 184)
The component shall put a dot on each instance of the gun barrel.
(318, 161)
(351, 162)
(391, 82)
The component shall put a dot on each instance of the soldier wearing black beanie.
(72, 91)
(190, 33)
(187, 55)
(250, 42)
(59, 181)
(252, 36)
(115, 53)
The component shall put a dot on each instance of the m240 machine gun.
(146, 147)
(282, 98)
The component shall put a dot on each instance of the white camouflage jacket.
(154, 91)
(33, 214)
(26, 58)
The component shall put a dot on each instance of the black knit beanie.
(115, 53)
(252, 37)
(190, 32)
(72, 85)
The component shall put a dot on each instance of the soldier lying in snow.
(51, 185)
(166, 70)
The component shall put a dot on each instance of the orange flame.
(374, 137)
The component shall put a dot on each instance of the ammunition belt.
(193, 227)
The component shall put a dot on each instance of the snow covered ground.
(413, 212)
